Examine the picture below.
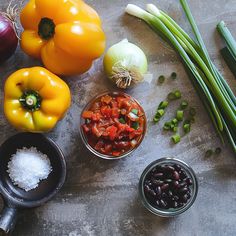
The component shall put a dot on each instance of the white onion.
(125, 64)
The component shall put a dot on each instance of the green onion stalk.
(220, 100)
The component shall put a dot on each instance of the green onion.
(214, 91)
(160, 113)
(169, 125)
(186, 128)
(175, 129)
(184, 105)
(218, 151)
(175, 138)
(161, 79)
(179, 115)
(208, 153)
(173, 75)
(192, 111)
(229, 59)
(177, 94)
(171, 96)
(135, 125)
(163, 105)
(174, 95)
(134, 111)
(227, 36)
(174, 121)
(122, 120)
(156, 119)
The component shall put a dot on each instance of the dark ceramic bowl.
(16, 197)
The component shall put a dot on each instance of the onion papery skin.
(8, 39)
(125, 59)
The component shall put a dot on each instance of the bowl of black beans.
(168, 187)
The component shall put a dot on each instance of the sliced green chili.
(175, 138)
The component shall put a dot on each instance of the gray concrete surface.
(100, 198)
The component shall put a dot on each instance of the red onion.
(8, 37)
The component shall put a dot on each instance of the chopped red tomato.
(87, 114)
(111, 128)
(106, 99)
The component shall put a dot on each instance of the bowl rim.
(83, 136)
(168, 213)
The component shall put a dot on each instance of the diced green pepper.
(135, 125)
(122, 120)
(134, 111)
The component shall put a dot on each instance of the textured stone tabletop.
(100, 198)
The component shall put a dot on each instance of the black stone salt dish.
(168, 187)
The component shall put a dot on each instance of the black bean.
(146, 189)
(158, 190)
(163, 203)
(176, 175)
(175, 198)
(177, 167)
(182, 185)
(175, 184)
(155, 182)
(164, 195)
(154, 170)
(183, 175)
(158, 175)
(152, 193)
(170, 194)
(169, 168)
(168, 181)
(188, 195)
(189, 181)
(174, 204)
(164, 187)
(180, 204)
(159, 182)
(183, 191)
(184, 198)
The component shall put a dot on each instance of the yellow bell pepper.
(35, 99)
(65, 34)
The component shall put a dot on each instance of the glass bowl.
(171, 211)
(84, 138)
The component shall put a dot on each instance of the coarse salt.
(28, 167)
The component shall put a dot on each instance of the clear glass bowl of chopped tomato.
(112, 125)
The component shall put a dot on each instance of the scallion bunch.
(209, 83)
